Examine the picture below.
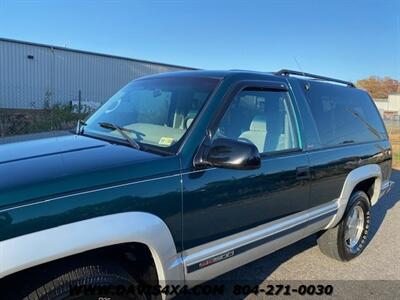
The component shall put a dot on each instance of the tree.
(379, 87)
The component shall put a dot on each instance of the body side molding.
(353, 178)
(16, 253)
(212, 259)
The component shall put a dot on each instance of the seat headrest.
(190, 117)
(189, 122)
(259, 123)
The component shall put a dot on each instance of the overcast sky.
(346, 39)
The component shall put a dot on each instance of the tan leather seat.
(257, 133)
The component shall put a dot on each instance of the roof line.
(94, 53)
(285, 72)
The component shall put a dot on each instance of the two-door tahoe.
(181, 177)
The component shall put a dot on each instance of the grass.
(396, 160)
(397, 156)
(394, 136)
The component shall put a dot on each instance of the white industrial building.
(389, 107)
(32, 75)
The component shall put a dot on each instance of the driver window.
(262, 117)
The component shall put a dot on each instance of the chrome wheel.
(354, 226)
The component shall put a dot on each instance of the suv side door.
(219, 203)
(350, 134)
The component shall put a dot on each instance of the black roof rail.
(285, 72)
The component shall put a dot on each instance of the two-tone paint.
(78, 193)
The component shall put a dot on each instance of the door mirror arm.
(198, 160)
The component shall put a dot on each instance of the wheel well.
(366, 186)
(135, 258)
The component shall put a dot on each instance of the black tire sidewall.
(87, 282)
(357, 199)
(117, 283)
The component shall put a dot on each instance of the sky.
(345, 39)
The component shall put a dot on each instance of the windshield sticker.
(167, 141)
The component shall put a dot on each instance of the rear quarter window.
(344, 115)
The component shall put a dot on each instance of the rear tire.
(349, 237)
(61, 287)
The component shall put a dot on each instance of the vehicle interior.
(159, 117)
(262, 118)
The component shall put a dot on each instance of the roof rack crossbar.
(285, 72)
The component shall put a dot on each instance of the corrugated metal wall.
(57, 75)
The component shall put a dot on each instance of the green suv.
(181, 177)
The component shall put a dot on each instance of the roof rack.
(285, 72)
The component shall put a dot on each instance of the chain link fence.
(27, 121)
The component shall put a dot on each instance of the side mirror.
(231, 154)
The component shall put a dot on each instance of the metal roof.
(94, 53)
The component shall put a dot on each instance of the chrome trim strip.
(101, 189)
(345, 146)
(88, 192)
(258, 236)
(195, 266)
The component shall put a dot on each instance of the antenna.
(298, 65)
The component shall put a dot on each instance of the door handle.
(303, 173)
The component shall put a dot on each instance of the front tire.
(348, 239)
(65, 286)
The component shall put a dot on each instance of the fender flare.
(353, 178)
(47, 245)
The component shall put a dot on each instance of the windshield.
(155, 112)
